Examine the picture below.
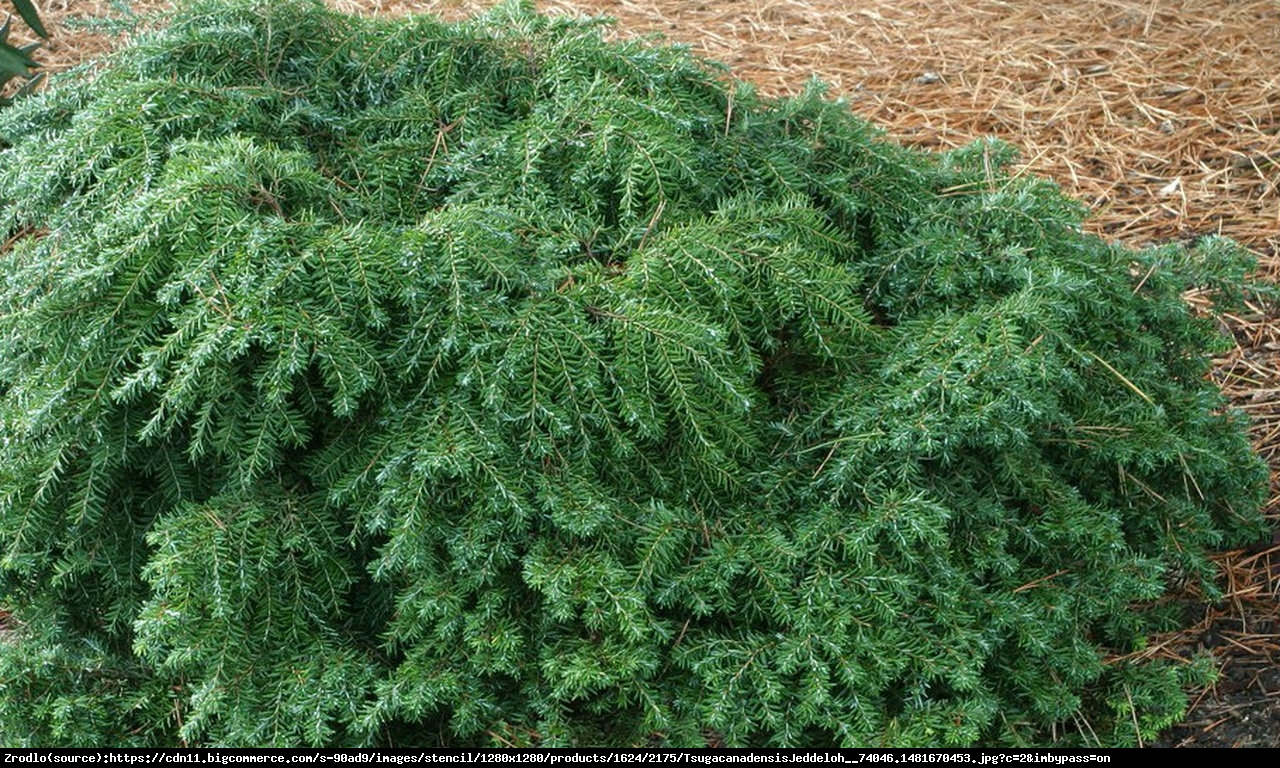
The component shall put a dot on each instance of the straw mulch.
(1163, 115)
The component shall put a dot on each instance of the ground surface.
(1163, 115)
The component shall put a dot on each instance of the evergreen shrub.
(389, 382)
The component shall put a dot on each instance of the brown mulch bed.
(1162, 115)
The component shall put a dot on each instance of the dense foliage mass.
(402, 382)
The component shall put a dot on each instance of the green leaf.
(14, 61)
(27, 10)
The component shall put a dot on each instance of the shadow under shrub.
(399, 382)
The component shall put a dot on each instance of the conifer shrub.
(391, 382)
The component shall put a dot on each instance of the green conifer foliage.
(402, 382)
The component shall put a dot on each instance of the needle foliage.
(390, 382)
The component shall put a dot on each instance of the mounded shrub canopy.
(402, 382)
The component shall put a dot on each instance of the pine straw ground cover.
(1163, 115)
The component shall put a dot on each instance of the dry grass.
(1163, 115)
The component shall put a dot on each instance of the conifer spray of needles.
(395, 382)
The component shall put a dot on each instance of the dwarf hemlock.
(401, 382)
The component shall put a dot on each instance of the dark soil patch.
(1243, 632)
